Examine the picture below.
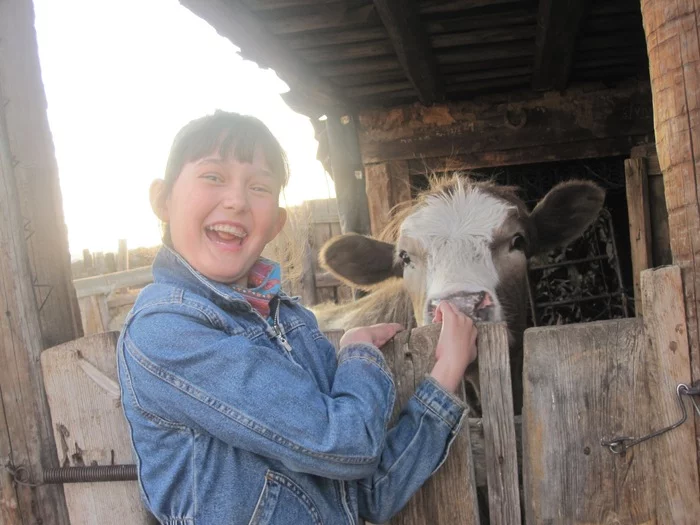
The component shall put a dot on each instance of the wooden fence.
(105, 299)
(584, 384)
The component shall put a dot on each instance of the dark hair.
(231, 134)
(234, 135)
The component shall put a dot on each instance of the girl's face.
(222, 213)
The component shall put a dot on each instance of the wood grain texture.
(449, 496)
(673, 45)
(481, 127)
(589, 382)
(388, 184)
(499, 426)
(89, 428)
(36, 173)
(25, 426)
(637, 187)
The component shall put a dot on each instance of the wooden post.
(26, 440)
(122, 256)
(36, 173)
(636, 183)
(348, 174)
(673, 44)
(388, 184)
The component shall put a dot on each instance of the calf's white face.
(446, 250)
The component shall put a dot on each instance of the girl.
(239, 408)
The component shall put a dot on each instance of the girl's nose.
(235, 199)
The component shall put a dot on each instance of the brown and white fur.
(457, 239)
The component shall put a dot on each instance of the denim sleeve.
(256, 398)
(415, 448)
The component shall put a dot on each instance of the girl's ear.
(158, 196)
(281, 220)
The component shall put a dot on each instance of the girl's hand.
(376, 335)
(456, 348)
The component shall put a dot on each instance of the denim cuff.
(442, 403)
(366, 352)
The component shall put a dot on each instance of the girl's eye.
(212, 176)
(260, 189)
(405, 258)
(517, 243)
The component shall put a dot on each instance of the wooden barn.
(525, 92)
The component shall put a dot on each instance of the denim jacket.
(235, 421)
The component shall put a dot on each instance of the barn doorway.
(591, 279)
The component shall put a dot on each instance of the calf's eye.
(517, 243)
(405, 258)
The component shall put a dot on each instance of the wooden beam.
(230, 19)
(674, 53)
(637, 187)
(451, 6)
(558, 25)
(586, 149)
(348, 175)
(410, 41)
(499, 123)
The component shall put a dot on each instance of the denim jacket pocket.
(282, 502)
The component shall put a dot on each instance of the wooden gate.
(583, 384)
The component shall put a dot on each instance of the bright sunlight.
(121, 78)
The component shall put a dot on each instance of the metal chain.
(619, 445)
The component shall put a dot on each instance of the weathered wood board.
(589, 382)
(637, 188)
(449, 496)
(89, 428)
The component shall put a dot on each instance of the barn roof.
(356, 54)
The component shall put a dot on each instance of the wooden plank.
(449, 496)
(451, 6)
(481, 126)
(483, 36)
(94, 314)
(579, 387)
(674, 51)
(107, 283)
(499, 427)
(590, 149)
(330, 17)
(335, 37)
(637, 187)
(89, 428)
(388, 184)
(676, 489)
(470, 22)
(346, 165)
(413, 49)
(312, 94)
(353, 51)
(594, 381)
(122, 256)
(25, 428)
(558, 25)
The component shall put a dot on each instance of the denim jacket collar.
(169, 266)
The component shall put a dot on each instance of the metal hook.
(619, 445)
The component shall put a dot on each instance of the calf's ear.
(565, 213)
(359, 261)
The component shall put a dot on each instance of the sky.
(121, 78)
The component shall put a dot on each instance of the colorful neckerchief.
(264, 283)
